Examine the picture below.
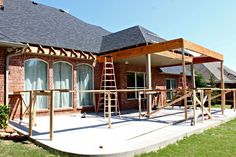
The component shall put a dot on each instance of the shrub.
(4, 116)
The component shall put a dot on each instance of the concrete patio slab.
(128, 136)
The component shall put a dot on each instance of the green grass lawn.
(22, 149)
(215, 142)
(219, 106)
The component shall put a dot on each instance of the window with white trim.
(135, 80)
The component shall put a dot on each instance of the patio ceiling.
(162, 54)
(158, 59)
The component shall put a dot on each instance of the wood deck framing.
(199, 97)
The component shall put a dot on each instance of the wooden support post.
(202, 103)
(209, 102)
(30, 114)
(51, 114)
(184, 85)
(194, 94)
(222, 87)
(234, 97)
(149, 81)
(109, 109)
(34, 109)
(139, 104)
(194, 107)
(21, 108)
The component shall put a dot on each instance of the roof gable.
(129, 37)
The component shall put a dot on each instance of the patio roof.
(164, 53)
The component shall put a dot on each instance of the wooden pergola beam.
(201, 50)
(143, 50)
(163, 46)
(204, 59)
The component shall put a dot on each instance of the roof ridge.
(141, 30)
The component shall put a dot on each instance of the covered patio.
(161, 54)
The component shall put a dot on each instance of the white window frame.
(79, 106)
(135, 77)
(72, 84)
(35, 58)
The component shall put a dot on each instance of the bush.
(4, 116)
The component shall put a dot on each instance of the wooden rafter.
(74, 53)
(82, 54)
(28, 49)
(60, 52)
(52, 50)
(63, 52)
(40, 49)
(91, 55)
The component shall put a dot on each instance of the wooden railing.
(205, 95)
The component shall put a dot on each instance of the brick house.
(46, 48)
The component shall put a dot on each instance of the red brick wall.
(2, 74)
(158, 81)
(16, 77)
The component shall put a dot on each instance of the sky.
(210, 23)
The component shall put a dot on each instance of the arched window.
(35, 78)
(62, 79)
(84, 82)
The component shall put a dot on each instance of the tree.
(200, 81)
(212, 81)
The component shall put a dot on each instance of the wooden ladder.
(108, 82)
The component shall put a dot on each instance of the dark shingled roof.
(130, 37)
(29, 22)
(23, 21)
(206, 69)
(176, 70)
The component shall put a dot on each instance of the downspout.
(17, 53)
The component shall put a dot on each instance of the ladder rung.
(109, 86)
(108, 80)
(108, 68)
(109, 74)
(112, 99)
(111, 63)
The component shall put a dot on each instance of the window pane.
(62, 79)
(36, 79)
(170, 84)
(174, 84)
(140, 80)
(130, 79)
(84, 82)
(131, 95)
(167, 84)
